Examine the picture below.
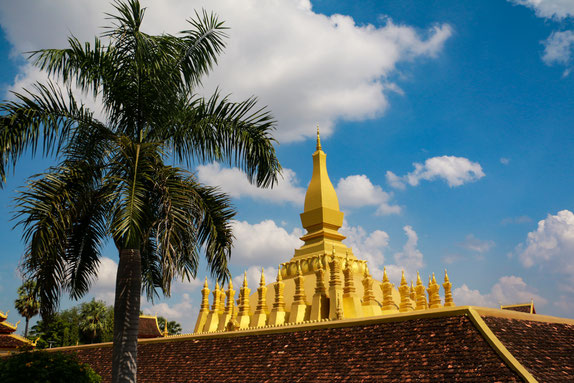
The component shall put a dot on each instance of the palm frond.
(219, 130)
(46, 116)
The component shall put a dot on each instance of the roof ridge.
(498, 347)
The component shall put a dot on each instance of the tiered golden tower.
(322, 281)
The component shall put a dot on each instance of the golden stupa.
(322, 281)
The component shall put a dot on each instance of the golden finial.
(262, 280)
(279, 277)
(205, 286)
(387, 289)
(404, 291)
(448, 301)
(230, 285)
(421, 300)
(318, 139)
(299, 296)
(385, 277)
(432, 290)
(412, 292)
(245, 279)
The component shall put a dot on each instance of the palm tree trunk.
(26, 328)
(126, 317)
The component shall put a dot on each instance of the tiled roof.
(420, 348)
(523, 308)
(546, 349)
(7, 328)
(148, 327)
(12, 342)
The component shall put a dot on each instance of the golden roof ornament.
(448, 301)
(326, 258)
(421, 301)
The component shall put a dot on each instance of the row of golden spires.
(224, 315)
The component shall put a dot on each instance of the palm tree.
(93, 319)
(27, 304)
(113, 177)
(173, 328)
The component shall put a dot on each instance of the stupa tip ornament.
(323, 280)
(318, 138)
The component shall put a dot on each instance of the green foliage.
(27, 303)
(173, 328)
(76, 326)
(114, 177)
(45, 367)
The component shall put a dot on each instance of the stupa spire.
(321, 216)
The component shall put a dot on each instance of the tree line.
(85, 323)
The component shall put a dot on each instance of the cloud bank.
(455, 171)
(308, 67)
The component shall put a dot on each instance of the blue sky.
(448, 128)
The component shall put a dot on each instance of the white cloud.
(551, 245)
(235, 183)
(367, 246)
(371, 247)
(254, 276)
(263, 243)
(558, 9)
(410, 259)
(456, 171)
(474, 244)
(508, 290)
(105, 285)
(184, 311)
(357, 191)
(558, 48)
(308, 67)
(504, 160)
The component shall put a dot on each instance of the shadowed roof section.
(522, 307)
(148, 327)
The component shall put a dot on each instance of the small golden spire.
(385, 277)
(448, 301)
(243, 303)
(299, 296)
(348, 277)
(387, 289)
(261, 296)
(421, 300)
(279, 277)
(434, 297)
(279, 304)
(205, 297)
(368, 295)
(405, 295)
(318, 139)
(412, 292)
